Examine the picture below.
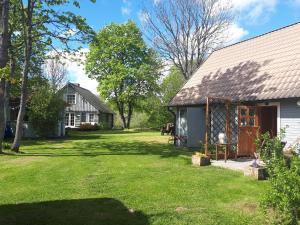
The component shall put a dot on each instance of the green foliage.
(282, 200)
(45, 110)
(127, 71)
(156, 105)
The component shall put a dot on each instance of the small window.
(71, 99)
(67, 119)
(91, 118)
(83, 117)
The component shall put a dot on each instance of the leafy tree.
(157, 104)
(44, 23)
(125, 68)
(45, 110)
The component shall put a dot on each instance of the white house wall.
(290, 120)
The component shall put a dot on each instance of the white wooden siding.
(290, 120)
(81, 104)
(195, 126)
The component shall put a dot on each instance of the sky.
(253, 17)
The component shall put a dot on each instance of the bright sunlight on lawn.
(114, 178)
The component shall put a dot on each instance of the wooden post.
(206, 125)
(228, 129)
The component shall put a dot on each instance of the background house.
(261, 78)
(85, 107)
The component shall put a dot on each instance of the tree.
(125, 68)
(156, 105)
(45, 110)
(55, 72)
(4, 16)
(42, 24)
(187, 31)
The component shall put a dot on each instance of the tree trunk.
(4, 13)
(121, 112)
(2, 112)
(27, 55)
(130, 111)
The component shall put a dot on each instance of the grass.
(114, 178)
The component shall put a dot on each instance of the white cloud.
(254, 11)
(126, 8)
(143, 16)
(156, 2)
(235, 33)
(76, 71)
(294, 3)
(125, 11)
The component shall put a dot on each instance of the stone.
(259, 172)
(200, 160)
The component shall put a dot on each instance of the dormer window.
(71, 99)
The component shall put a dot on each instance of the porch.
(231, 128)
(240, 164)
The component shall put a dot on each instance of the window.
(91, 118)
(83, 117)
(72, 120)
(69, 120)
(71, 99)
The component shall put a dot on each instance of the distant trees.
(156, 106)
(126, 69)
(55, 72)
(186, 31)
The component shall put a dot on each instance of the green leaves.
(125, 68)
(283, 197)
(45, 110)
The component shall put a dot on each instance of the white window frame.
(93, 116)
(69, 123)
(74, 99)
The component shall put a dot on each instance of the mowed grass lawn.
(115, 178)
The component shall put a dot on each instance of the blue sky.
(253, 17)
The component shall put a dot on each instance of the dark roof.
(261, 68)
(92, 99)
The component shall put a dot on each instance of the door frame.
(278, 112)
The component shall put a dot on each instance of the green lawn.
(114, 178)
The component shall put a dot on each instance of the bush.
(45, 111)
(89, 127)
(6, 145)
(282, 201)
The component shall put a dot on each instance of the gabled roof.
(91, 98)
(261, 68)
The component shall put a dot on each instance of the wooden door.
(248, 130)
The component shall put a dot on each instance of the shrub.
(6, 145)
(88, 127)
(282, 201)
(45, 110)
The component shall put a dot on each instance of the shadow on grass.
(112, 148)
(102, 211)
